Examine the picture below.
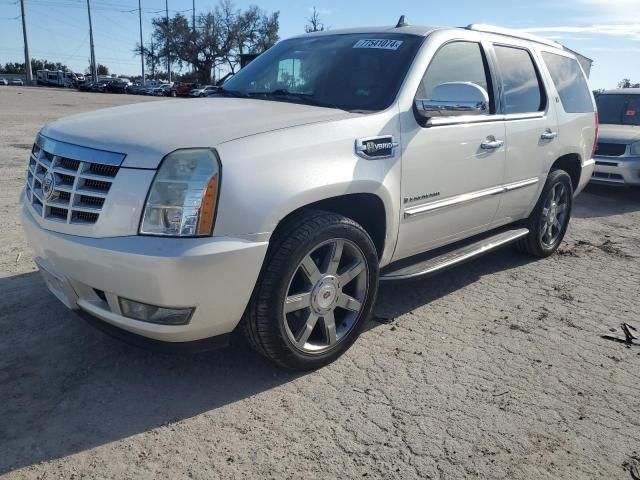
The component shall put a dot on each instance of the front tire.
(316, 292)
(549, 220)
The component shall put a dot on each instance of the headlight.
(635, 148)
(183, 196)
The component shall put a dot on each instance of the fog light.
(153, 314)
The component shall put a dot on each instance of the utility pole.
(27, 58)
(94, 67)
(141, 44)
(193, 11)
(166, 4)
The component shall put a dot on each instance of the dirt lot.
(493, 370)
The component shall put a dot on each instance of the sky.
(608, 31)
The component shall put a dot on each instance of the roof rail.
(481, 27)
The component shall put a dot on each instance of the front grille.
(65, 189)
(611, 149)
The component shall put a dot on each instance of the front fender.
(267, 176)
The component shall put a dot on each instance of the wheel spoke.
(310, 269)
(545, 226)
(557, 224)
(329, 323)
(549, 234)
(305, 332)
(297, 302)
(332, 261)
(351, 272)
(560, 193)
(348, 303)
(562, 208)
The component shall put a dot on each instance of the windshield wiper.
(283, 93)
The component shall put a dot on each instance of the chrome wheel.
(555, 214)
(325, 296)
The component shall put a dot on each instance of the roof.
(619, 91)
(424, 31)
(421, 31)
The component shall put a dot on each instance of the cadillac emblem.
(48, 185)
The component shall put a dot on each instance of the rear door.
(531, 128)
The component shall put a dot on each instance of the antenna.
(401, 23)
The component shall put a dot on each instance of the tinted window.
(522, 89)
(455, 62)
(619, 109)
(350, 71)
(570, 83)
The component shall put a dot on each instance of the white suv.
(331, 162)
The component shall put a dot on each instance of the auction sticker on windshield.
(384, 44)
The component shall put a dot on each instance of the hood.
(610, 133)
(146, 132)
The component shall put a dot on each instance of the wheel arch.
(572, 164)
(367, 209)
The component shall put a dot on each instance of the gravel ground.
(495, 369)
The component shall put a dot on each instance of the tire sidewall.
(273, 298)
(554, 178)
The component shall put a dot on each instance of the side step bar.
(454, 257)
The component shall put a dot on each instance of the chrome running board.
(451, 258)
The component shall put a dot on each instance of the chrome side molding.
(467, 197)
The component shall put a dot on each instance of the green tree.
(220, 37)
(626, 83)
(102, 70)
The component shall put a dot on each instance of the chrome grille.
(67, 183)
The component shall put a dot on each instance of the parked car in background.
(135, 89)
(162, 91)
(203, 91)
(99, 86)
(17, 82)
(118, 86)
(618, 151)
(85, 86)
(333, 161)
(180, 89)
(4, 81)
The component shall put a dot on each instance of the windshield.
(361, 72)
(619, 109)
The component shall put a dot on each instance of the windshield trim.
(420, 42)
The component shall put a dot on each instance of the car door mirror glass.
(454, 99)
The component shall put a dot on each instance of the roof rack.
(481, 27)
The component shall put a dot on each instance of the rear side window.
(570, 83)
(523, 92)
(455, 62)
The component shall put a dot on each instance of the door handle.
(548, 134)
(491, 143)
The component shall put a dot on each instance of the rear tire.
(550, 218)
(315, 293)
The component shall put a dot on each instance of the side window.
(456, 62)
(523, 91)
(570, 83)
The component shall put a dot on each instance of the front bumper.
(617, 170)
(216, 275)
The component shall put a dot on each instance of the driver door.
(452, 167)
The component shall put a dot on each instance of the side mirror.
(454, 99)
